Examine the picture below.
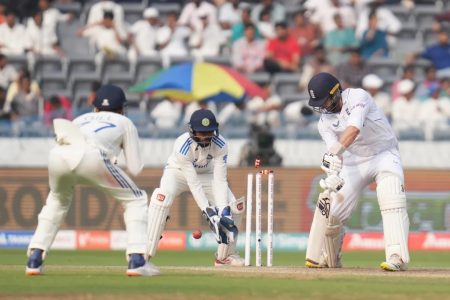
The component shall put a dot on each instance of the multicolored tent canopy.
(199, 82)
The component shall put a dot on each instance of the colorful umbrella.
(199, 82)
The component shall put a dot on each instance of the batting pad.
(318, 228)
(392, 201)
(396, 231)
(158, 210)
(334, 236)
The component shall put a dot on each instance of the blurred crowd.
(298, 38)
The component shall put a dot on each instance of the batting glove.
(333, 183)
(331, 163)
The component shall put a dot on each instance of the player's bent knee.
(391, 193)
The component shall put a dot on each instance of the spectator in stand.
(232, 113)
(5, 117)
(16, 85)
(445, 88)
(277, 11)
(51, 15)
(248, 53)
(282, 52)
(190, 15)
(237, 31)
(265, 25)
(373, 84)
(298, 115)
(338, 41)
(405, 109)
(324, 15)
(263, 112)
(13, 37)
(57, 107)
(352, 72)
(387, 21)
(7, 72)
(434, 113)
(423, 89)
(85, 103)
(142, 35)
(438, 54)
(317, 64)
(305, 33)
(97, 13)
(2, 14)
(229, 15)
(172, 39)
(166, 114)
(206, 40)
(26, 104)
(43, 39)
(106, 36)
(408, 73)
(374, 41)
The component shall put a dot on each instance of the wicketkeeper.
(198, 164)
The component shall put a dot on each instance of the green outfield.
(189, 275)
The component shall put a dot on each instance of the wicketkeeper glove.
(333, 183)
(227, 224)
(214, 221)
(331, 163)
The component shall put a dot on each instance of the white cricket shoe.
(232, 260)
(323, 262)
(35, 263)
(137, 266)
(394, 263)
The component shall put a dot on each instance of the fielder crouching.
(85, 153)
(362, 148)
(198, 164)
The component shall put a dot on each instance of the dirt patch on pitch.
(305, 273)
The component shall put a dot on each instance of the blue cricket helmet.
(203, 120)
(321, 87)
(109, 98)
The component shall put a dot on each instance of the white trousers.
(97, 170)
(174, 183)
(358, 177)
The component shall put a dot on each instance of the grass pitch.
(189, 275)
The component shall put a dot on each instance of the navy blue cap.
(109, 97)
(321, 87)
(203, 120)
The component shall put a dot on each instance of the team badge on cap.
(205, 122)
(105, 102)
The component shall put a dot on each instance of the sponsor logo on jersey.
(336, 125)
(225, 158)
(105, 102)
(160, 197)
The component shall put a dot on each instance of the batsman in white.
(199, 163)
(86, 152)
(362, 148)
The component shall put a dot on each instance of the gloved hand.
(227, 224)
(331, 163)
(333, 183)
(210, 215)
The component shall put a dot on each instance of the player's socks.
(394, 263)
(137, 266)
(35, 262)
